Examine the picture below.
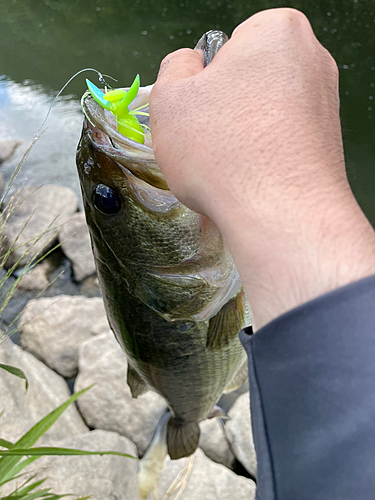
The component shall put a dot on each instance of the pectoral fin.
(239, 378)
(227, 323)
(182, 440)
(218, 412)
(136, 384)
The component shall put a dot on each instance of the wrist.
(290, 252)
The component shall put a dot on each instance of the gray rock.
(36, 279)
(75, 242)
(109, 404)
(239, 433)
(213, 441)
(53, 329)
(2, 184)
(7, 148)
(203, 479)
(33, 212)
(8, 287)
(46, 391)
(61, 279)
(106, 477)
(90, 287)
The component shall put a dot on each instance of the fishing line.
(100, 78)
(39, 132)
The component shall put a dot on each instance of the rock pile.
(65, 341)
(35, 217)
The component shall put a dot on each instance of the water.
(22, 111)
(44, 43)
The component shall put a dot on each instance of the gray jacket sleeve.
(312, 392)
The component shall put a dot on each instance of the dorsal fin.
(136, 384)
(227, 323)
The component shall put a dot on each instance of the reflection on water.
(23, 109)
(44, 43)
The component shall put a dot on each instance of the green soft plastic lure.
(117, 101)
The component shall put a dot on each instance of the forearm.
(288, 253)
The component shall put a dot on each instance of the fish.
(172, 293)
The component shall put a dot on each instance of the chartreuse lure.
(117, 101)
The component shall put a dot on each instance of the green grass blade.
(12, 479)
(15, 371)
(30, 496)
(17, 468)
(5, 444)
(30, 438)
(30, 487)
(46, 450)
(16, 492)
(43, 425)
(26, 493)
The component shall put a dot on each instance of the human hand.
(254, 142)
(268, 98)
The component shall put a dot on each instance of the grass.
(15, 457)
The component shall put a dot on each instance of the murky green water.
(43, 43)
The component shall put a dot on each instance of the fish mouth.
(100, 127)
(100, 124)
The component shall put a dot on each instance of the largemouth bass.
(172, 294)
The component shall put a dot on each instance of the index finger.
(181, 64)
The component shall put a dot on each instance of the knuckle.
(164, 64)
(280, 20)
(285, 18)
(156, 96)
(328, 62)
(180, 55)
(181, 58)
(295, 16)
(331, 63)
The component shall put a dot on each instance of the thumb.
(181, 64)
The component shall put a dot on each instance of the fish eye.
(106, 199)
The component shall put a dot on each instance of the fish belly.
(172, 357)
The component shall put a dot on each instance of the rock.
(102, 477)
(204, 479)
(75, 242)
(239, 433)
(46, 391)
(53, 329)
(2, 184)
(109, 404)
(36, 279)
(7, 148)
(36, 210)
(214, 443)
(61, 279)
(10, 316)
(8, 287)
(90, 287)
